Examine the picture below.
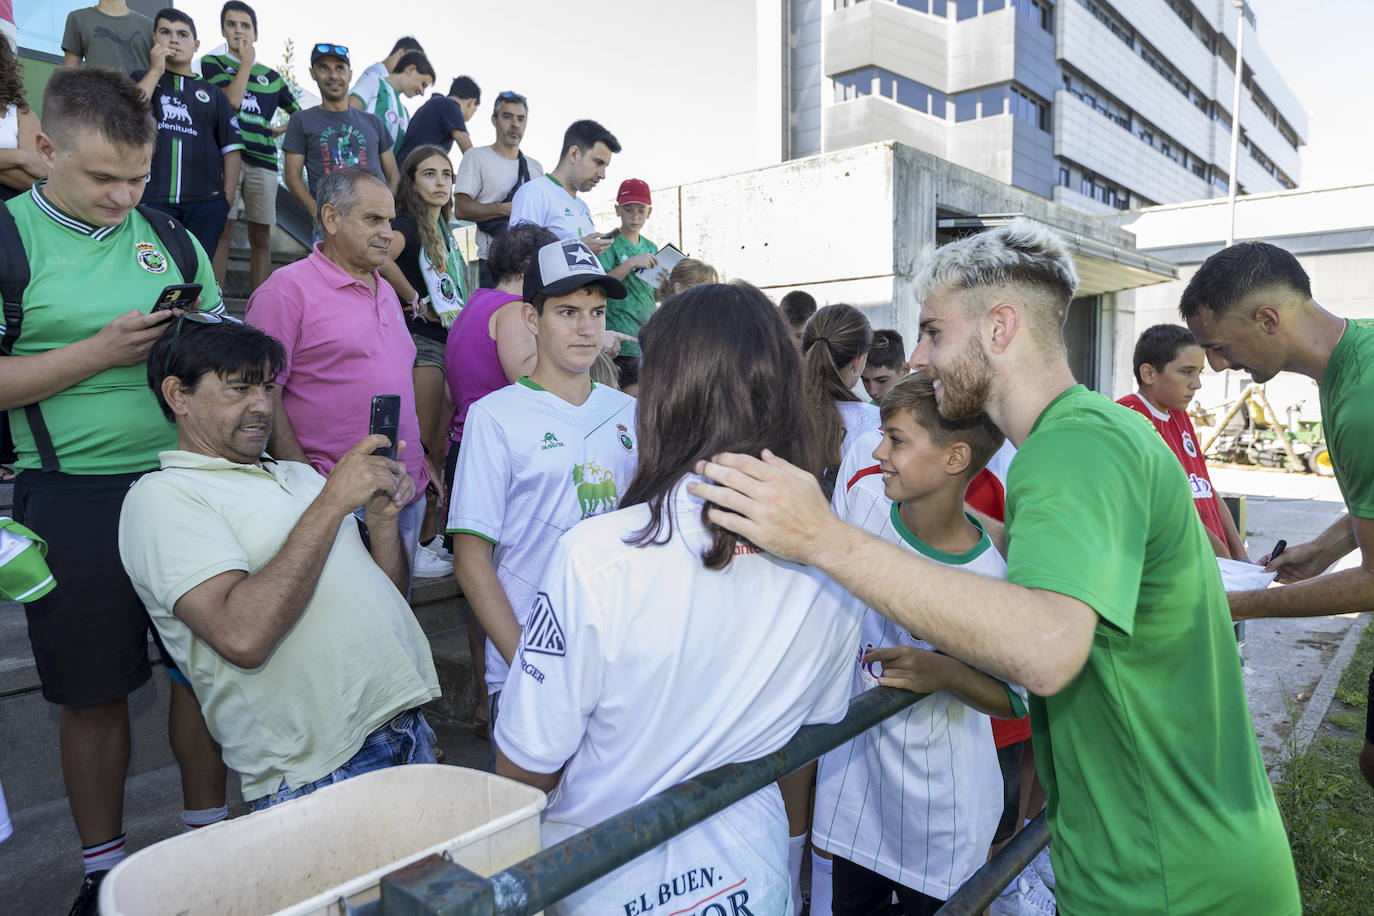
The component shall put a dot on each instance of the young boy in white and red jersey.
(1168, 363)
(896, 818)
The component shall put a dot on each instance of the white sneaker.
(431, 565)
(1035, 898)
(436, 545)
(1042, 868)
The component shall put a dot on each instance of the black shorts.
(860, 892)
(90, 633)
(1009, 759)
(1369, 712)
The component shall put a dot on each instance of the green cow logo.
(595, 489)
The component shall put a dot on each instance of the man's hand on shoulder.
(361, 477)
(769, 501)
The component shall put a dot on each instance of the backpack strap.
(176, 239)
(14, 279)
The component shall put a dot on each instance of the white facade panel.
(1161, 27)
(1264, 134)
(1266, 74)
(1086, 137)
(982, 50)
(874, 119)
(1087, 46)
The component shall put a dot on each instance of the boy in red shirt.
(1168, 363)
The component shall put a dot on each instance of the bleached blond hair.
(1022, 254)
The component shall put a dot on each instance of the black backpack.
(14, 279)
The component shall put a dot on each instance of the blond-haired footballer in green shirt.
(1112, 612)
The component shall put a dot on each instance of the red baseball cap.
(633, 191)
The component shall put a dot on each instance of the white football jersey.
(918, 798)
(531, 466)
(641, 668)
(859, 419)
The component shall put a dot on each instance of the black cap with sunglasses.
(325, 49)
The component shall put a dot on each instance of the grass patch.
(1327, 806)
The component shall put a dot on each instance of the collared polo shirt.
(82, 277)
(344, 343)
(354, 658)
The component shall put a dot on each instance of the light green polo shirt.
(354, 659)
(82, 277)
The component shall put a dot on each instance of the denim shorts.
(407, 738)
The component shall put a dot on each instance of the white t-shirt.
(487, 177)
(859, 418)
(379, 97)
(645, 669)
(530, 467)
(546, 203)
(918, 798)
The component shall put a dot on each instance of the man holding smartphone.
(85, 428)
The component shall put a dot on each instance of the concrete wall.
(849, 226)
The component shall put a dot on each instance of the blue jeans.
(407, 738)
(203, 218)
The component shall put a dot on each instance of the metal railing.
(438, 886)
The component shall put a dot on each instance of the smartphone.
(386, 420)
(178, 296)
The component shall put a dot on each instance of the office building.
(1097, 105)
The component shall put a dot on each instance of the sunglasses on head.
(509, 96)
(195, 318)
(325, 48)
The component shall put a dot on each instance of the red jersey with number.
(1177, 429)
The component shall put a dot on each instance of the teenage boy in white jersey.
(540, 455)
(896, 817)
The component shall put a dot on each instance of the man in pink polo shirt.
(345, 338)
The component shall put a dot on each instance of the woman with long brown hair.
(663, 646)
(430, 277)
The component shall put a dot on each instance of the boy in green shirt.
(628, 253)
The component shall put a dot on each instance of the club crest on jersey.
(1188, 446)
(625, 437)
(595, 488)
(543, 633)
(550, 441)
(202, 96)
(261, 78)
(149, 258)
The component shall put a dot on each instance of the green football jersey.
(1158, 797)
(266, 93)
(82, 278)
(629, 314)
(1347, 399)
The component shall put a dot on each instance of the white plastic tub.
(306, 856)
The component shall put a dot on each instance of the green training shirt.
(83, 277)
(1158, 797)
(266, 93)
(629, 314)
(1347, 399)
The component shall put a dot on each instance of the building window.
(920, 6)
(1029, 109)
(994, 101)
(1036, 11)
(1117, 27)
(1063, 177)
(992, 6)
(965, 9)
(854, 85)
(966, 106)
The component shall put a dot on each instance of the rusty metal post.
(1235, 408)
